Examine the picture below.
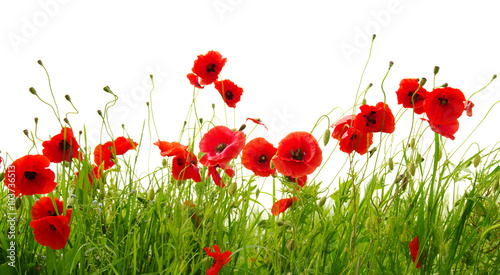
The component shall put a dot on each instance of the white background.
(295, 60)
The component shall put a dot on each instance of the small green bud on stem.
(67, 98)
(436, 70)
(477, 160)
(322, 202)
(422, 81)
(32, 90)
(326, 137)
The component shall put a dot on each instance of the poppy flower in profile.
(446, 130)
(257, 155)
(408, 98)
(378, 118)
(298, 154)
(208, 67)
(468, 108)
(414, 248)
(257, 121)
(301, 181)
(220, 145)
(106, 152)
(444, 105)
(214, 174)
(341, 126)
(229, 92)
(62, 146)
(355, 140)
(194, 80)
(49, 228)
(282, 205)
(220, 259)
(185, 167)
(170, 149)
(30, 175)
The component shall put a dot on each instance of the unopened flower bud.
(36, 120)
(291, 245)
(257, 193)
(40, 62)
(242, 127)
(280, 223)
(164, 162)
(444, 85)
(151, 76)
(436, 70)
(494, 76)
(151, 194)
(25, 131)
(201, 120)
(107, 89)
(322, 202)
(391, 164)
(213, 106)
(147, 104)
(33, 91)
(496, 185)
(399, 178)
(66, 120)
(477, 160)
(326, 136)
(233, 188)
(412, 143)
(363, 101)
(373, 37)
(422, 81)
(412, 168)
(99, 113)
(353, 219)
(67, 98)
(390, 64)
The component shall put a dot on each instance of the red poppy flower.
(444, 105)
(208, 67)
(301, 181)
(446, 130)
(341, 126)
(30, 175)
(355, 140)
(220, 259)
(49, 228)
(61, 147)
(51, 231)
(214, 174)
(468, 107)
(298, 154)
(414, 248)
(220, 145)
(170, 149)
(185, 167)
(229, 92)
(94, 174)
(106, 152)
(194, 80)
(257, 121)
(378, 118)
(282, 205)
(257, 155)
(45, 208)
(407, 96)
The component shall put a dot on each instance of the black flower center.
(193, 162)
(64, 145)
(180, 162)
(53, 228)
(30, 175)
(220, 147)
(370, 118)
(415, 98)
(262, 159)
(442, 101)
(52, 213)
(211, 68)
(229, 95)
(297, 154)
(353, 137)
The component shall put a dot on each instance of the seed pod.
(151, 194)
(391, 164)
(326, 137)
(233, 188)
(477, 160)
(412, 168)
(322, 202)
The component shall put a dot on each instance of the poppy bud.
(25, 131)
(477, 160)
(213, 106)
(326, 137)
(412, 143)
(2, 176)
(404, 183)
(18, 203)
(373, 37)
(353, 220)
(164, 162)
(412, 168)
(151, 76)
(257, 193)
(233, 188)
(36, 120)
(422, 81)
(33, 91)
(40, 62)
(436, 70)
(99, 113)
(291, 245)
(271, 164)
(280, 223)
(67, 98)
(363, 102)
(322, 202)
(390, 64)
(66, 120)
(201, 120)
(370, 85)
(147, 104)
(107, 89)
(399, 178)
(496, 185)
(151, 194)
(391, 164)
(494, 76)
(242, 127)
(419, 159)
